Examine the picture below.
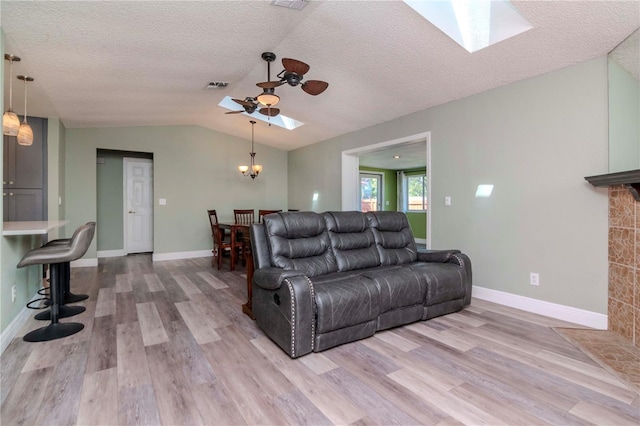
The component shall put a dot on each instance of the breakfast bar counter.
(42, 227)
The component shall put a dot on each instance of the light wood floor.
(167, 343)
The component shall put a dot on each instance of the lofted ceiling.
(147, 63)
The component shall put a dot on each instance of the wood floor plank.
(137, 406)
(456, 407)
(43, 355)
(175, 403)
(106, 304)
(189, 288)
(123, 283)
(338, 410)
(213, 281)
(153, 331)
(133, 370)
(22, 403)
(102, 347)
(99, 398)
(62, 396)
(153, 282)
(202, 329)
(441, 336)
(399, 342)
(11, 364)
(318, 363)
(601, 415)
(126, 308)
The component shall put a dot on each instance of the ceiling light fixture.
(396, 157)
(10, 121)
(25, 133)
(255, 168)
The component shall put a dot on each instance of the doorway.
(351, 182)
(138, 205)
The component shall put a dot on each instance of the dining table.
(242, 229)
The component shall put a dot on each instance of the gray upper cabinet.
(24, 175)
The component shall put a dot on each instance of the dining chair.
(245, 217)
(220, 243)
(265, 212)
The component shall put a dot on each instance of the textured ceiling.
(147, 63)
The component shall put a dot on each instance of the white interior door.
(138, 205)
(370, 192)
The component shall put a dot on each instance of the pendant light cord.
(10, 84)
(25, 100)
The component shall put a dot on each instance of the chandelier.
(254, 169)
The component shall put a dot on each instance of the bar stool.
(64, 277)
(67, 296)
(56, 256)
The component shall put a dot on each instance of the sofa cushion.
(445, 281)
(345, 301)
(399, 287)
(393, 237)
(299, 241)
(352, 241)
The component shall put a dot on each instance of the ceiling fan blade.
(270, 112)
(293, 65)
(314, 87)
(269, 84)
(244, 103)
(234, 112)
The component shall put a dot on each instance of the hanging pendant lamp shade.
(10, 121)
(25, 133)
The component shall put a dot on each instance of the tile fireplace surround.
(624, 264)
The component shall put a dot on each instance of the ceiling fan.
(250, 106)
(292, 74)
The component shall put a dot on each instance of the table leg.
(247, 308)
(233, 248)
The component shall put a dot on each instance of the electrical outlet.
(13, 294)
(534, 278)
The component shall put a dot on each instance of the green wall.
(110, 201)
(535, 140)
(195, 169)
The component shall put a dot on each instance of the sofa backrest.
(393, 236)
(299, 241)
(352, 241)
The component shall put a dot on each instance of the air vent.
(217, 85)
(291, 4)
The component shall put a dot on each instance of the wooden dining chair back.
(261, 213)
(244, 217)
(220, 243)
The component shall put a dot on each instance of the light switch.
(447, 200)
(162, 201)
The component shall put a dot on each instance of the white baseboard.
(180, 255)
(420, 241)
(14, 326)
(84, 263)
(111, 253)
(553, 310)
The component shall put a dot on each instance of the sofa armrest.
(272, 278)
(441, 256)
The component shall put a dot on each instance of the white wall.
(535, 140)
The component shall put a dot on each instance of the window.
(415, 190)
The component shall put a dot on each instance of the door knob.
(130, 212)
(11, 194)
(10, 182)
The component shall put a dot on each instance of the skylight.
(279, 120)
(473, 24)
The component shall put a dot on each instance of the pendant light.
(25, 134)
(255, 168)
(10, 121)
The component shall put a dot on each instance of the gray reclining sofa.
(324, 279)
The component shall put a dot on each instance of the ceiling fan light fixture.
(268, 99)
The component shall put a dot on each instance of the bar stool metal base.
(73, 298)
(64, 312)
(53, 331)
